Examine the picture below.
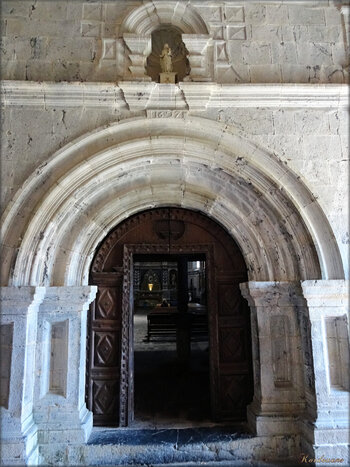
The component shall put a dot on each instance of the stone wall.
(250, 42)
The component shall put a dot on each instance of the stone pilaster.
(277, 357)
(59, 400)
(198, 56)
(19, 309)
(140, 47)
(328, 303)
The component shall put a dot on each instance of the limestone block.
(320, 34)
(92, 11)
(333, 16)
(340, 54)
(263, 74)
(277, 14)
(311, 122)
(49, 11)
(283, 121)
(314, 54)
(308, 15)
(74, 10)
(64, 49)
(284, 52)
(15, 8)
(255, 13)
(322, 147)
(256, 53)
(266, 32)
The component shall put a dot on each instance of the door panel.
(103, 372)
(234, 380)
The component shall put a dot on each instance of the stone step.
(180, 447)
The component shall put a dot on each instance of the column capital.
(272, 293)
(20, 300)
(326, 293)
(68, 298)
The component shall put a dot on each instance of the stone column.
(19, 308)
(59, 400)
(277, 357)
(328, 303)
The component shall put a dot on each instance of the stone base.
(322, 443)
(167, 78)
(22, 451)
(271, 425)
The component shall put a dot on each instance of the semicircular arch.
(94, 183)
(145, 19)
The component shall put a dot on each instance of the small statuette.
(166, 65)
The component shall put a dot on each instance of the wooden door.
(233, 355)
(109, 376)
(104, 339)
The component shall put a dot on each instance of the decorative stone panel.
(59, 411)
(328, 304)
(18, 318)
(279, 396)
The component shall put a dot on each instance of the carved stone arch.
(148, 17)
(137, 28)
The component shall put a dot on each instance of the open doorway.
(171, 343)
(185, 240)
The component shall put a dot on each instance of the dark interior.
(171, 347)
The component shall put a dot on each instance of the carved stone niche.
(167, 34)
(184, 27)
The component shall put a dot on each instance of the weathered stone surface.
(255, 137)
(254, 28)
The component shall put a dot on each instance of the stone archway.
(122, 169)
(54, 224)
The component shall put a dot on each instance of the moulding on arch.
(136, 96)
(149, 16)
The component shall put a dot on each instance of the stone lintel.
(194, 95)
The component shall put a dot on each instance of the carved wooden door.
(233, 355)
(104, 337)
(110, 362)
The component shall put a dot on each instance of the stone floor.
(207, 446)
(172, 425)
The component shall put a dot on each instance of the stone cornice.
(137, 96)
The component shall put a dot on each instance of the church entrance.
(169, 332)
